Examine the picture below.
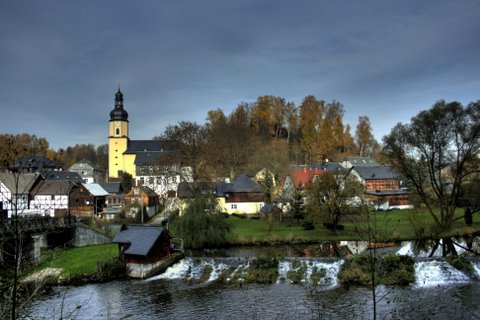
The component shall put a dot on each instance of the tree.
(230, 142)
(437, 153)
(333, 196)
(202, 224)
(189, 139)
(126, 181)
(311, 113)
(363, 135)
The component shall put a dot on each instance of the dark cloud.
(62, 61)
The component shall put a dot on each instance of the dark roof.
(35, 163)
(331, 167)
(243, 184)
(63, 175)
(135, 146)
(186, 190)
(53, 187)
(118, 113)
(145, 158)
(377, 172)
(141, 238)
(112, 187)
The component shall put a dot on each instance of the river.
(439, 292)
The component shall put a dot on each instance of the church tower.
(118, 137)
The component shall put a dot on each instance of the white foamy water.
(437, 273)
(332, 268)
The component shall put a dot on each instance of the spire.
(118, 113)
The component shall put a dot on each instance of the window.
(117, 131)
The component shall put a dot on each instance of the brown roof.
(53, 187)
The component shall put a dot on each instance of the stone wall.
(86, 236)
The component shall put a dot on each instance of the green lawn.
(390, 226)
(80, 261)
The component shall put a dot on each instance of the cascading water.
(310, 271)
(436, 273)
(230, 270)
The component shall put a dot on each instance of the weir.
(323, 273)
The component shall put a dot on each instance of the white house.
(51, 197)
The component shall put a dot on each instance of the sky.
(61, 62)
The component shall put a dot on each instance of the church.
(145, 160)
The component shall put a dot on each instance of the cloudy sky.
(62, 61)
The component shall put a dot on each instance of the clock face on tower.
(117, 123)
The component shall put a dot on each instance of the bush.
(308, 225)
(389, 270)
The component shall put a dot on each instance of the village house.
(114, 200)
(243, 196)
(50, 198)
(88, 172)
(382, 184)
(146, 198)
(145, 250)
(87, 200)
(156, 170)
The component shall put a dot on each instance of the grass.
(396, 225)
(81, 261)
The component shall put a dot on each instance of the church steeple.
(118, 113)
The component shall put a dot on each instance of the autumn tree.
(14, 147)
(311, 111)
(437, 154)
(363, 136)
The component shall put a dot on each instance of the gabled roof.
(82, 164)
(52, 187)
(95, 189)
(63, 175)
(141, 238)
(375, 173)
(144, 189)
(112, 187)
(243, 184)
(302, 175)
(135, 146)
(19, 183)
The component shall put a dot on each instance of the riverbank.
(391, 226)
